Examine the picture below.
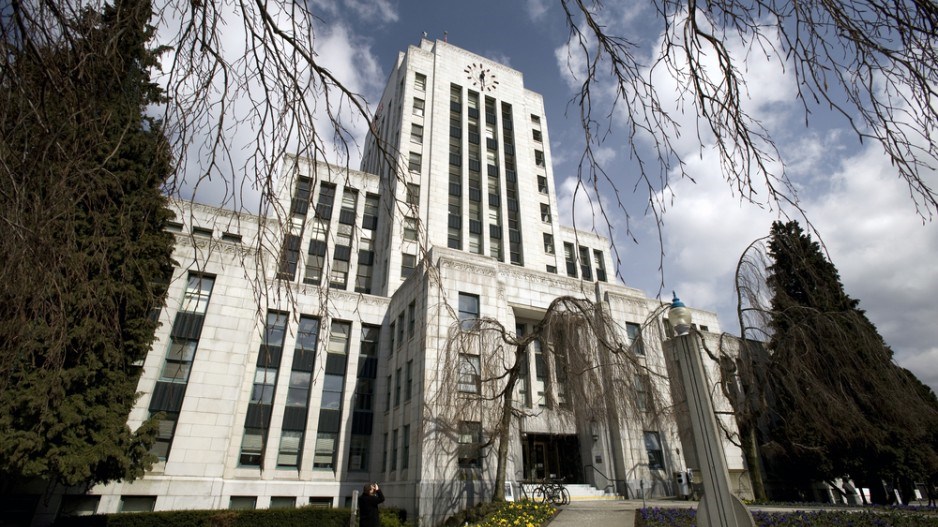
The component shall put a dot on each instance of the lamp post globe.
(679, 316)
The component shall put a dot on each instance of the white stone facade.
(379, 268)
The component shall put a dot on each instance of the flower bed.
(519, 514)
(657, 517)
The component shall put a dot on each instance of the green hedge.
(302, 517)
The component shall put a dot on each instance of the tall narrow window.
(470, 380)
(541, 374)
(469, 451)
(654, 450)
(366, 258)
(359, 445)
(289, 256)
(384, 454)
(418, 107)
(548, 243)
(370, 218)
(387, 395)
(408, 264)
(326, 201)
(410, 229)
(184, 340)
(586, 270)
(363, 400)
(542, 184)
(315, 262)
(600, 262)
(570, 259)
(338, 274)
(642, 393)
(416, 134)
(523, 371)
(299, 205)
(468, 311)
(405, 447)
(415, 162)
(635, 337)
(332, 389)
(413, 194)
(409, 390)
(349, 206)
(294, 415)
(420, 82)
(411, 318)
(400, 330)
(260, 405)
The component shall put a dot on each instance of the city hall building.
(292, 376)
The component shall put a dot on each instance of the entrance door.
(540, 460)
(552, 456)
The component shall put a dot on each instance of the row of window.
(296, 411)
(203, 232)
(482, 185)
(585, 267)
(170, 389)
(82, 505)
(396, 454)
(319, 226)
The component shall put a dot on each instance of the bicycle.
(551, 492)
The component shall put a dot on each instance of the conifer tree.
(85, 257)
(838, 404)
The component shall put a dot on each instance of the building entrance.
(551, 456)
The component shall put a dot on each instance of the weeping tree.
(596, 374)
(824, 394)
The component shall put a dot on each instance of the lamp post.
(718, 506)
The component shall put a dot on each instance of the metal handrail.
(615, 482)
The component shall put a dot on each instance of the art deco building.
(291, 377)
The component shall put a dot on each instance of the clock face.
(481, 77)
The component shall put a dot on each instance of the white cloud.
(572, 63)
(375, 11)
(536, 9)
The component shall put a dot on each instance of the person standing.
(368, 505)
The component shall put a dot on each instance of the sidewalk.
(621, 513)
(601, 513)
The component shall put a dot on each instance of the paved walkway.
(621, 513)
(601, 513)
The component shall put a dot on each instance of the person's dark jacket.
(368, 509)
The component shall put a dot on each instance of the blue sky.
(884, 251)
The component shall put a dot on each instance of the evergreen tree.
(85, 256)
(839, 405)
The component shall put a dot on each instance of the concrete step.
(584, 492)
(579, 492)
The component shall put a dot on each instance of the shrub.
(302, 517)
(656, 517)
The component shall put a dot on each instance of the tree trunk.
(504, 427)
(750, 447)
